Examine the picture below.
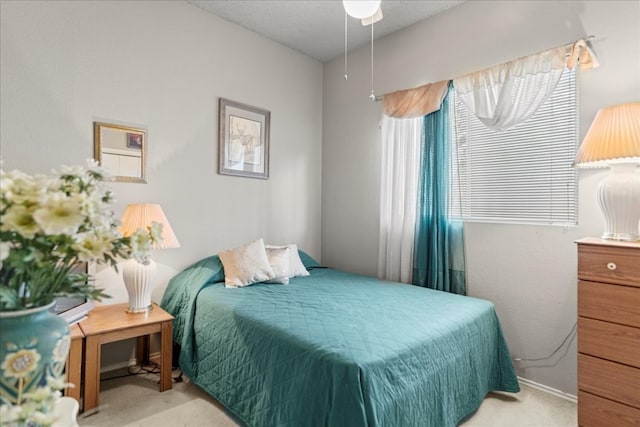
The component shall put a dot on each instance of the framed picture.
(121, 151)
(243, 140)
(134, 140)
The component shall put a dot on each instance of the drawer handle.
(612, 266)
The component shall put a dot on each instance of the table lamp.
(613, 141)
(138, 277)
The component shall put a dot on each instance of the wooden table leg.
(142, 350)
(92, 373)
(166, 350)
(74, 369)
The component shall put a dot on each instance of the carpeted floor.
(134, 401)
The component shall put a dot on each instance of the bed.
(336, 349)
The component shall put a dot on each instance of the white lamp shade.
(141, 216)
(361, 8)
(614, 137)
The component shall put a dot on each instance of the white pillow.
(296, 267)
(279, 261)
(246, 265)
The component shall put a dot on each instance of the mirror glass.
(120, 150)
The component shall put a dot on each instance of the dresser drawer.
(613, 303)
(610, 264)
(609, 341)
(594, 411)
(609, 380)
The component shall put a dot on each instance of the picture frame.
(243, 140)
(121, 150)
(134, 140)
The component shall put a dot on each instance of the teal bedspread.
(337, 349)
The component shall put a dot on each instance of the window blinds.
(523, 174)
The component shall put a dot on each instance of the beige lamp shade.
(614, 137)
(141, 216)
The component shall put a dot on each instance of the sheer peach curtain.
(415, 102)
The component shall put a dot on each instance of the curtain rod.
(379, 98)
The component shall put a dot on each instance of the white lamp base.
(138, 279)
(619, 198)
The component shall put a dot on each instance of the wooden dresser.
(608, 333)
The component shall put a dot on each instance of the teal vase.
(34, 344)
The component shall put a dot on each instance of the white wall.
(529, 272)
(163, 65)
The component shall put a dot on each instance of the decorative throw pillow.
(246, 265)
(279, 261)
(296, 267)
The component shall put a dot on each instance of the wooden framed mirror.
(121, 151)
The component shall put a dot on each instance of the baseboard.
(550, 390)
(115, 366)
(155, 357)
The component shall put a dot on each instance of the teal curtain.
(439, 243)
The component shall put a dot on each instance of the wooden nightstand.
(109, 323)
(74, 362)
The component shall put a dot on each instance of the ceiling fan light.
(376, 17)
(361, 8)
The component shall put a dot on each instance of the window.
(521, 175)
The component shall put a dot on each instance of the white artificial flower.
(99, 217)
(58, 383)
(92, 207)
(9, 413)
(155, 232)
(5, 248)
(5, 183)
(59, 214)
(140, 245)
(19, 219)
(20, 188)
(27, 408)
(39, 394)
(42, 419)
(74, 170)
(94, 166)
(92, 245)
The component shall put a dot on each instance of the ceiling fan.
(369, 12)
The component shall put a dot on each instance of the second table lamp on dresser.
(613, 141)
(139, 277)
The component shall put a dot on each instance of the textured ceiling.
(316, 28)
